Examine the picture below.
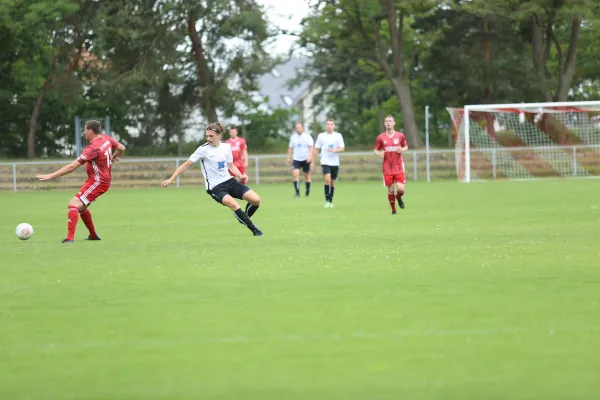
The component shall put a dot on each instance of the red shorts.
(91, 190)
(240, 167)
(389, 179)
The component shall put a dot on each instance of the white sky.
(285, 14)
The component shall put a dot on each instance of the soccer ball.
(24, 231)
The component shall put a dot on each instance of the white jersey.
(327, 141)
(214, 162)
(301, 145)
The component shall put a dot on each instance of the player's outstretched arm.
(67, 169)
(243, 178)
(177, 172)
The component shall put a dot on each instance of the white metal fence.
(489, 163)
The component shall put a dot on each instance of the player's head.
(299, 127)
(389, 123)
(214, 133)
(329, 125)
(233, 132)
(92, 128)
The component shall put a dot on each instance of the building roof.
(274, 85)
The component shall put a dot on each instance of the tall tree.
(541, 21)
(61, 29)
(226, 47)
(378, 32)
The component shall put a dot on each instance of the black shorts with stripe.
(230, 187)
(331, 169)
(303, 165)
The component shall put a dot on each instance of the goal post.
(526, 140)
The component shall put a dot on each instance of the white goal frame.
(546, 107)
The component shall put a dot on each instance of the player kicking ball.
(217, 161)
(98, 158)
(390, 145)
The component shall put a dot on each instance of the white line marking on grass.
(360, 335)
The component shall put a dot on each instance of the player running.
(390, 145)
(98, 157)
(217, 162)
(329, 143)
(239, 150)
(301, 145)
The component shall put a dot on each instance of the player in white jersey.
(329, 143)
(217, 160)
(301, 150)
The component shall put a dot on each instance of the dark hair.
(216, 127)
(94, 126)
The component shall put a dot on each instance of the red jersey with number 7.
(97, 157)
(392, 160)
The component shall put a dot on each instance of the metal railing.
(425, 165)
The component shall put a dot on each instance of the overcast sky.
(285, 14)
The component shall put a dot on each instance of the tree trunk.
(205, 75)
(208, 109)
(33, 122)
(399, 74)
(567, 71)
(487, 55)
(410, 129)
(539, 49)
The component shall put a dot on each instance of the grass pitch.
(480, 291)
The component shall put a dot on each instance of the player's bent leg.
(391, 198)
(400, 193)
(327, 189)
(252, 197)
(296, 175)
(230, 202)
(253, 200)
(307, 182)
(78, 204)
(74, 207)
(240, 215)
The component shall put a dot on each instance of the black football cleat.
(258, 233)
(93, 238)
(401, 203)
(68, 241)
(393, 212)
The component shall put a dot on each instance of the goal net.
(527, 141)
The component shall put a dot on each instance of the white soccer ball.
(24, 231)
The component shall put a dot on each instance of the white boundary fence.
(420, 165)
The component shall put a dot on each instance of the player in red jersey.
(239, 150)
(390, 145)
(98, 157)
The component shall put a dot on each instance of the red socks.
(72, 222)
(86, 217)
(392, 201)
(399, 195)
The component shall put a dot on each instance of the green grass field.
(480, 291)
